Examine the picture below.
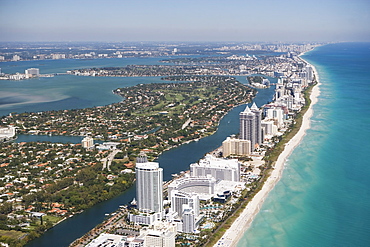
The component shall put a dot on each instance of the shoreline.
(238, 228)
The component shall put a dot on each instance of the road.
(108, 160)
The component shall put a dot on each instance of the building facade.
(87, 142)
(220, 169)
(149, 187)
(236, 146)
(181, 199)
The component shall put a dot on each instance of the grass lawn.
(11, 234)
(53, 219)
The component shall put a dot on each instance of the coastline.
(236, 231)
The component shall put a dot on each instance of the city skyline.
(190, 20)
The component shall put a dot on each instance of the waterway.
(172, 161)
(78, 92)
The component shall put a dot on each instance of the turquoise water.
(323, 198)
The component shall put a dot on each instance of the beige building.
(236, 146)
(87, 142)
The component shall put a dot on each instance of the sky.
(184, 20)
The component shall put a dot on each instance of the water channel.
(172, 161)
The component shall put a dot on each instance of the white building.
(269, 127)
(32, 72)
(198, 185)
(113, 240)
(16, 58)
(189, 224)
(108, 146)
(149, 187)
(7, 132)
(275, 113)
(87, 142)
(143, 218)
(160, 235)
(181, 200)
(219, 168)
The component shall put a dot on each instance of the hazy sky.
(184, 20)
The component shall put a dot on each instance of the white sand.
(232, 236)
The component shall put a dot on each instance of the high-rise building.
(248, 126)
(189, 221)
(258, 118)
(149, 187)
(309, 71)
(181, 199)
(236, 146)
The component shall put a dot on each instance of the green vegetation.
(155, 116)
(55, 179)
(255, 79)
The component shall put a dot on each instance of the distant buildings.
(16, 58)
(58, 56)
(87, 142)
(7, 133)
(32, 72)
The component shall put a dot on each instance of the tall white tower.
(248, 126)
(149, 187)
(258, 118)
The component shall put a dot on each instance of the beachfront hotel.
(220, 169)
(149, 191)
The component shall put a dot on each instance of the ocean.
(323, 198)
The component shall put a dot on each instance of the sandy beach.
(243, 222)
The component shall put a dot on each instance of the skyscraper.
(258, 118)
(250, 125)
(179, 199)
(149, 187)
